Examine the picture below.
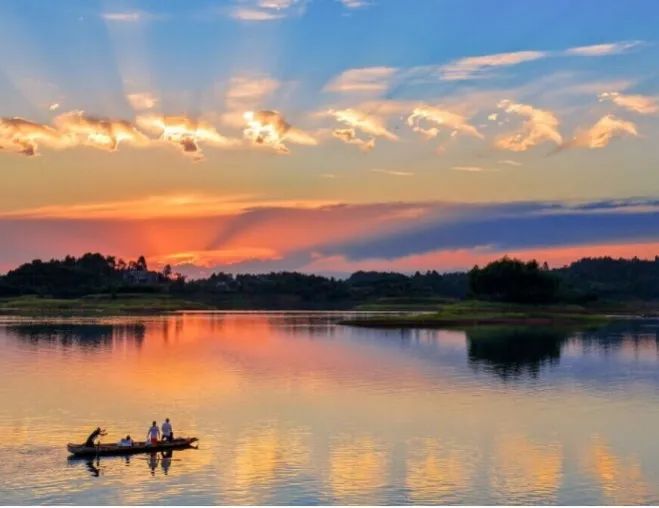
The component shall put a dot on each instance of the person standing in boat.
(94, 436)
(153, 434)
(167, 431)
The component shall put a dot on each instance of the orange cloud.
(601, 133)
(142, 100)
(269, 128)
(539, 126)
(440, 118)
(367, 79)
(184, 132)
(642, 104)
(22, 136)
(349, 135)
(100, 133)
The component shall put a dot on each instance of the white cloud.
(54, 106)
(477, 66)
(611, 48)
(265, 10)
(642, 104)
(510, 162)
(539, 126)
(366, 79)
(355, 4)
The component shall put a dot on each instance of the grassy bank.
(97, 305)
(477, 313)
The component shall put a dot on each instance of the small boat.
(80, 450)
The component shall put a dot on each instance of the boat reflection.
(156, 462)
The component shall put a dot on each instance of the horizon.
(337, 276)
(328, 136)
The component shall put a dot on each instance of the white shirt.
(167, 428)
(154, 431)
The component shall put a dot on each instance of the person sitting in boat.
(94, 436)
(167, 431)
(153, 434)
(127, 441)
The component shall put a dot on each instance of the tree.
(167, 271)
(141, 264)
(512, 280)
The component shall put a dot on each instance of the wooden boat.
(80, 450)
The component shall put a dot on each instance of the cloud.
(22, 136)
(265, 10)
(477, 66)
(375, 235)
(642, 104)
(392, 172)
(470, 169)
(123, 17)
(366, 79)
(355, 4)
(170, 206)
(539, 126)
(601, 133)
(510, 162)
(185, 133)
(54, 106)
(142, 100)
(368, 123)
(248, 91)
(611, 48)
(440, 118)
(349, 135)
(511, 226)
(99, 133)
(269, 128)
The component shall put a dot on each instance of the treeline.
(586, 280)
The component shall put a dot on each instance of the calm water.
(294, 408)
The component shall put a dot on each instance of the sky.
(328, 136)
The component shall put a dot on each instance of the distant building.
(140, 277)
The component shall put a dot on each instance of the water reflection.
(357, 470)
(438, 473)
(526, 471)
(621, 479)
(292, 409)
(513, 352)
(155, 461)
(83, 335)
(263, 456)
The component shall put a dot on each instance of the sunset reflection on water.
(293, 408)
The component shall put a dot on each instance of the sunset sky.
(328, 135)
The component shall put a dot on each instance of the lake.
(294, 408)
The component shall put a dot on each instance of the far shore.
(416, 314)
(469, 313)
